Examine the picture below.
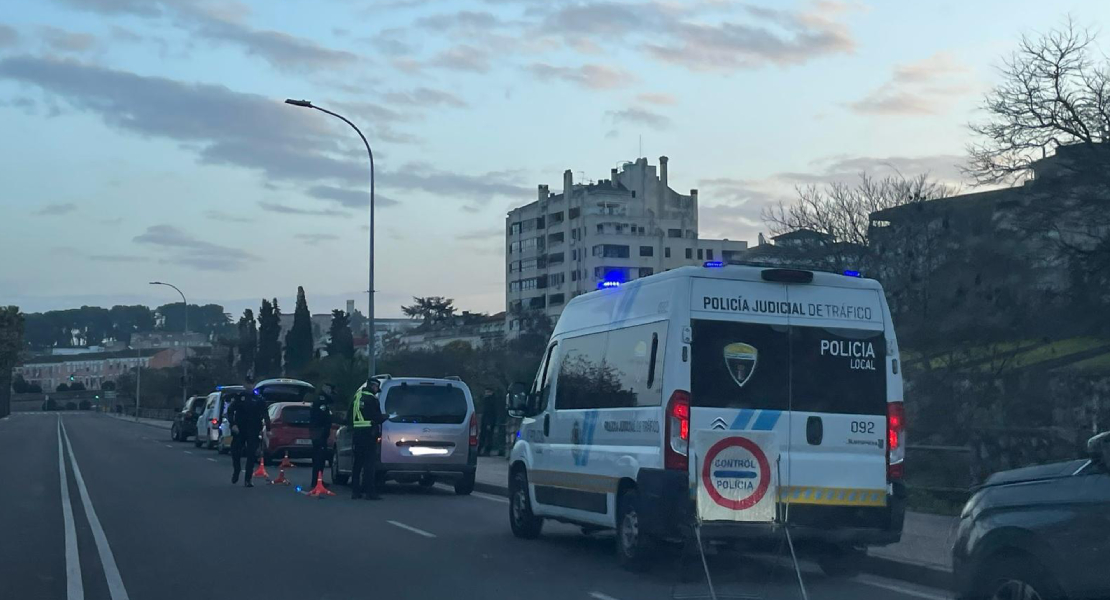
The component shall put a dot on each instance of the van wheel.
(337, 478)
(463, 487)
(634, 548)
(1016, 577)
(174, 435)
(840, 562)
(197, 442)
(524, 523)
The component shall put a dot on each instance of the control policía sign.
(737, 475)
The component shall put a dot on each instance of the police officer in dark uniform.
(365, 419)
(319, 428)
(246, 415)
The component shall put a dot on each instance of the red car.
(289, 432)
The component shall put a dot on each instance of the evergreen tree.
(298, 341)
(267, 361)
(248, 342)
(341, 341)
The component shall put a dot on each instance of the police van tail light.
(677, 447)
(895, 440)
(473, 429)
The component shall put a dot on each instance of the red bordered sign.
(737, 481)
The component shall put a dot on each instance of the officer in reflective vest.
(365, 420)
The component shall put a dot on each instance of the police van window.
(839, 370)
(628, 357)
(582, 381)
(740, 365)
(548, 377)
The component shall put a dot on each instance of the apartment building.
(615, 230)
(93, 369)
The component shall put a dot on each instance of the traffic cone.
(286, 463)
(261, 470)
(320, 491)
(281, 480)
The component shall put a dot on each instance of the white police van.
(630, 371)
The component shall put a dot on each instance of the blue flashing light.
(852, 274)
(219, 388)
(601, 285)
(298, 488)
(713, 264)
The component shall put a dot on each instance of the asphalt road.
(159, 519)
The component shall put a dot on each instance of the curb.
(166, 426)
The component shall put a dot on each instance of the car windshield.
(852, 343)
(425, 404)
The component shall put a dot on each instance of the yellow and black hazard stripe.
(830, 496)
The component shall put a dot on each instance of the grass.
(1025, 353)
(924, 501)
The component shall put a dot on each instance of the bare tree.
(1053, 93)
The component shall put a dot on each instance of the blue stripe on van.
(742, 419)
(766, 420)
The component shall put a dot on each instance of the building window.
(613, 273)
(574, 275)
(691, 234)
(555, 299)
(700, 252)
(600, 228)
(674, 233)
(555, 259)
(645, 271)
(555, 238)
(573, 213)
(666, 252)
(514, 228)
(647, 251)
(539, 222)
(611, 251)
(537, 302)
(555, 217)
(709, 254)
(514, 266)
(556, 279)
(689, 253)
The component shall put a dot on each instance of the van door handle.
(815, 431)
(546, 425)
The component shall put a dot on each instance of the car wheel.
(840, 562)
(337, 477)
(174, 435)
(634, 547)
(523, 522)
(427, 481)
(464, 486)
(212, 445)
(198, 442)
(1017, 578)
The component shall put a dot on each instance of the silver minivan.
(431, 434)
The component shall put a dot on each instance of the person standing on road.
(365, 419)
(247, 416)
(487, 437)
(319, 428)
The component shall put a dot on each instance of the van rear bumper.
(668, 511)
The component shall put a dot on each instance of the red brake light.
(473, 429)
(896, 440)
(215, 422)
(677, 435)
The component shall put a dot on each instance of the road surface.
(143, 517)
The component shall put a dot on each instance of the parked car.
(431, 434)
(185, 420)
(1038, 533)
(289, 433)
(210, 424)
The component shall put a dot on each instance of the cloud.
(61, 40)
(924, 87)
(314, 239)
(391, 42)
(417, 176)
(463, 57)
(596, 77)
(143, 8)
(124, 34)
(8, 36)
(423, 96)
(370, 111)
(285, 209)
(117, 258)
(182, 248)
(53, 210)
(767, 37)
(482, 234)
(349, 198)
(662, 99)
(219, 215)
(638, 116)
(463, 19)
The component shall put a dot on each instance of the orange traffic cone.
(281, 480)
(320, 491)
(261, 470)
(286, 463)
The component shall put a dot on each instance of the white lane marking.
(107, 560)
(169, 445)
(74, 589)
(212, 459)
(412, 529)
(490, 497)
(901, 589)
(188, 452)
(600, 596)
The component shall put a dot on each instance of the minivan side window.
(612, 369)
(544, 379)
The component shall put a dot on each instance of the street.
(159, 519)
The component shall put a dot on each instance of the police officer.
(491, 410)
(246, 415)
(365, 418)
(319, 428)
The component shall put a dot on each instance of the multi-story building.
(628, 226)
(93, 369)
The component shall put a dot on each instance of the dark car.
(185, 420)
(1038, 533)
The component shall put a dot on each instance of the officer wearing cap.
(365, 419)
(319, 428)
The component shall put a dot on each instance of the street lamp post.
(306, 104)
(185, 362)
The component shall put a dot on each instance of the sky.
(148, 139)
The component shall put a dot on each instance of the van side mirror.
(516, 401)
(1098, 449)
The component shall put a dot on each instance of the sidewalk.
(142, 420)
